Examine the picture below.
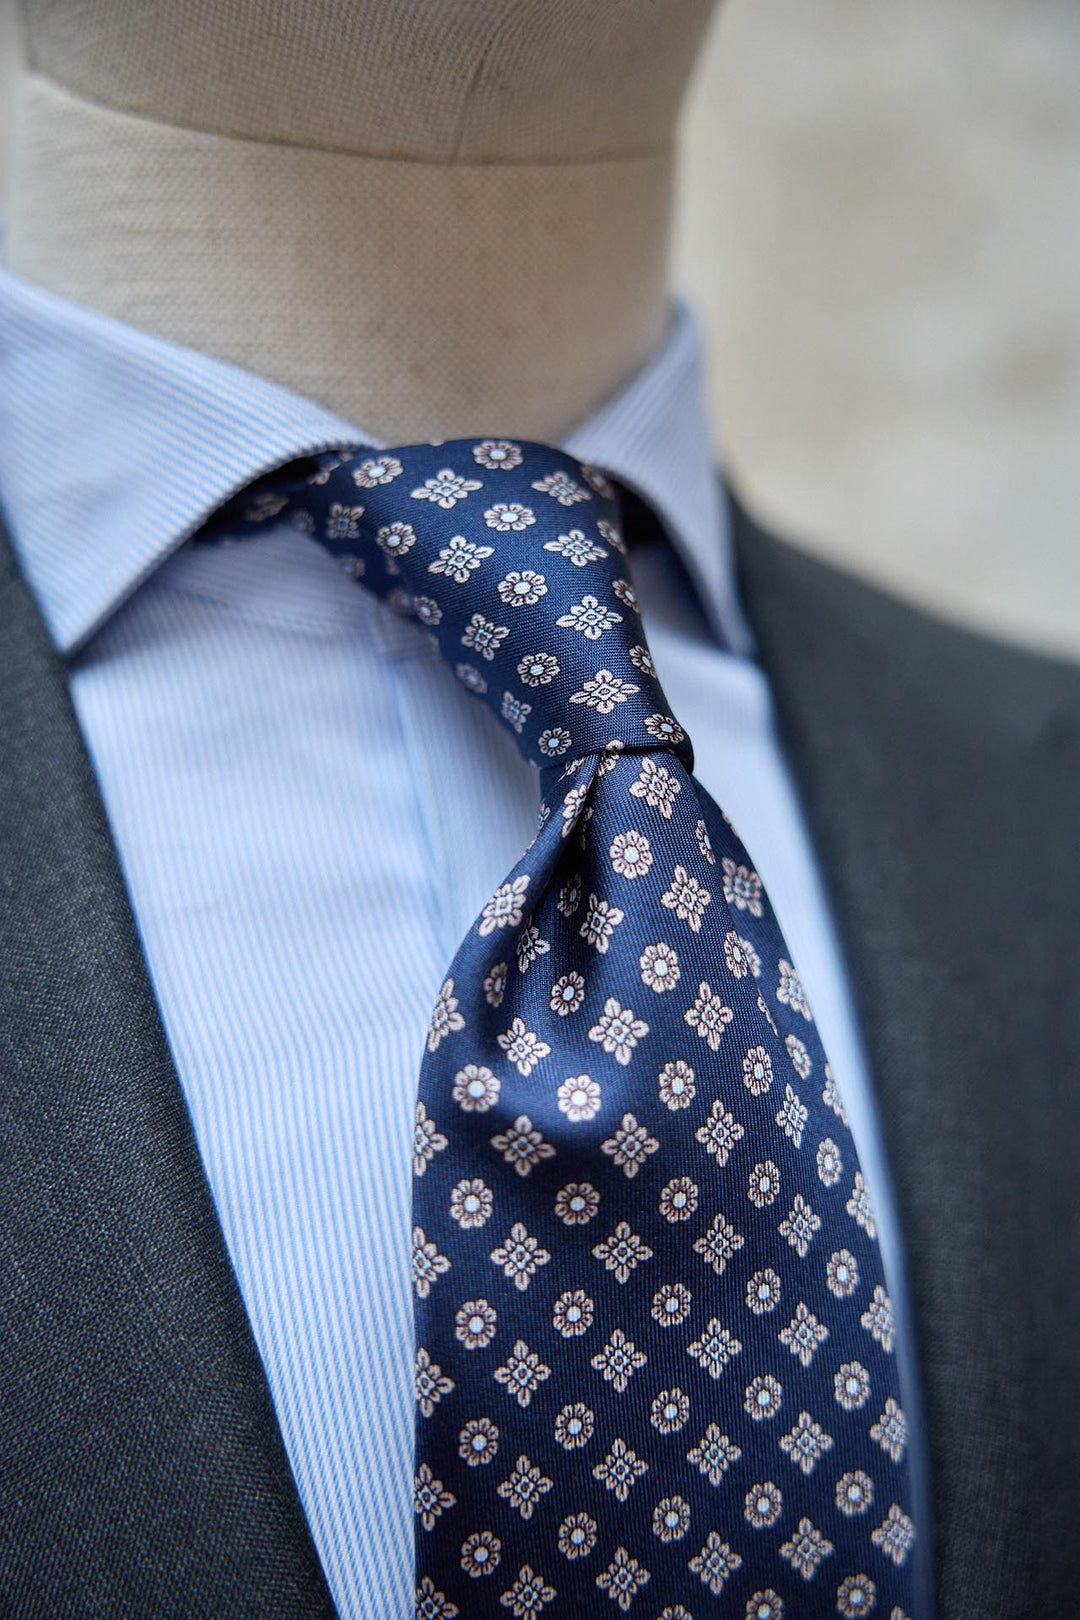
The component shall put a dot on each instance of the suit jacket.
(141, 1469)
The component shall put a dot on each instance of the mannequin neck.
(502, 266)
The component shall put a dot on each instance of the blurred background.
(879, 223)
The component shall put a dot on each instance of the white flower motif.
(610, 532)
(579, 1098)
(459, 559)
(604, 691)
(856, 1595)
(860, 1208)
(762, 1506)
(505, 908)
(629, 1146)
(577, 1535)
(851, 1386)
(573, 1313)
(395, 539)
(626, 594)
(623, 1578)
(701, 832)
(427, 611)
(829, 1162)
(471, 678)
(554, 741)
(763, 1292)
(531, 946)
(445, 1017)
(799, 1225)
(590, 618)
(757, 1071)
(342, 522)
(520, 1256)
(678, 1199)
(576, 548)
(716, 1347)
(740, 957)
(656, 786)
(620, 1469)
(427, 1140)
(895, 1536)
(790, 990)
(598, 481)
(676, 1082)
(538, 669)
(430, 1498)
(495, 985)
(522, 1145)
(497, 455)
(574, 1429)
(891, 1430)
(480, 1553)
(791, 1116)
(671, 1518)
(687, 898)
(576, 1203)
(841, 1273)
(601, 921)
(567, 994)
(484, 636)
(523, 1047)
(762, 1397)
(742, 887)
(854, 1493)
(659, 966)
(509, 515)
(561, 487)
(618, 1030)
(376, 470)
(475, 1324)
(265, 506)
(719, 1133)
(476, 1088)
(664, 729)
(525, 1487)
(619, 1360)
(715, 1563)
(831, 1096)
(429, 1382)
(622, 1252)
(427, 1262)
(671, 1305)
(878, 1320)
(709, 1015)
(642, 659)
(433, 1605)
(670, 1411)
(764, 1184)
(806, 1444)
(714, 1454)
(806, 1549)
(804, 1334)
(471, 1203)
(719, 1244)
(630, 854)
(445, 489)
(529, 1594)
(522, 588)
(514, 712)
(799, 1055)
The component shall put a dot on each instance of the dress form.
(434, 219)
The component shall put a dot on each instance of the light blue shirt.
(280, 759)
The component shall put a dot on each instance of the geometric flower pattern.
(655, 1353)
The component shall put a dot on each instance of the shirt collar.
(115, 446)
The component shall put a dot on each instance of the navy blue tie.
(655, 1352)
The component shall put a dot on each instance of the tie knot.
(512, 556)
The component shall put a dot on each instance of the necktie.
(655, 1352)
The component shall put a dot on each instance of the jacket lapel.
(939, 774)
(141, 1468)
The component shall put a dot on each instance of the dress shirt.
(309, 815)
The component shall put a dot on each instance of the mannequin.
(434, 218)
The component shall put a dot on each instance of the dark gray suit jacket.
(142, 1473)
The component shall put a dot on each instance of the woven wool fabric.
(654, 1345)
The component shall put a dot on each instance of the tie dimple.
(655, 1351)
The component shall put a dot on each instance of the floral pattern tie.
(655, 1352)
